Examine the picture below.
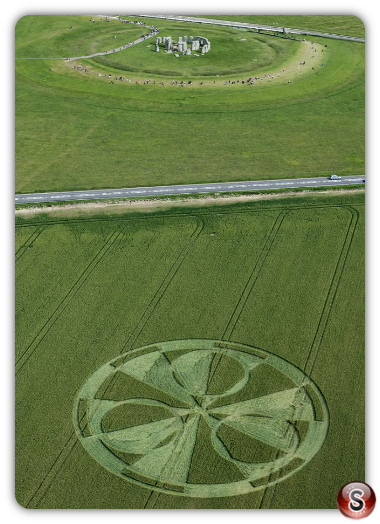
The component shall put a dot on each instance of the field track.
(243, 322)
(187, 251)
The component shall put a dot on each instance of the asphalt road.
(253, 26)
(188, 189)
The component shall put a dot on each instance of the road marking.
(184, 190)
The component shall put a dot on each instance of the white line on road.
(184, 190)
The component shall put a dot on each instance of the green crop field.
(77, 130)
(193, 357)
(203, 354)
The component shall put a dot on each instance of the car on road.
(335, 177)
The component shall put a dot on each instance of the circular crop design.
(201, 418)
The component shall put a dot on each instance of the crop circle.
(149, 415)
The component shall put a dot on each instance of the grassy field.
(103, 424)
(57, 36)
(336, 24)
(234, 52)
(75, 130)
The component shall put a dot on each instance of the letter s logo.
(356, 502)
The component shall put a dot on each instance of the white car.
(335, 177)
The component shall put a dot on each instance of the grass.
(337, 24)
(285, 277)
(234, 54)
(76, 131)
(57, 36)
(101, 423)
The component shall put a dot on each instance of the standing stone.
(188, 51)
(184, 46)
(191, 40)
(185, 38)
(157, 48)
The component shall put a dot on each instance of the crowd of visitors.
(153, 31)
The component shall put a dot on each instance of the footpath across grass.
(75, 130)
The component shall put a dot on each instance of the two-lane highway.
(186, 189)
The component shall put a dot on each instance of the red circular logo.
(356, 500)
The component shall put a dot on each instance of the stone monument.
(184, 45)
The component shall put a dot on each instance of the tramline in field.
(181, 353)
(272, 282)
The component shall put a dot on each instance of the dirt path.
(309, 56)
